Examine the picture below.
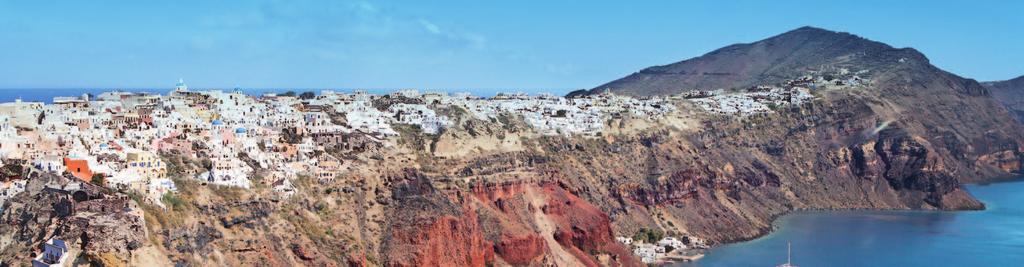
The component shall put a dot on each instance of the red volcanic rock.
(581, 229)
(447, 241)
(515, 221)
(520, 250)
(356, 259)
(586, 226)
(430, 229)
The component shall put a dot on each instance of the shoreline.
(680, 257)
(1013, 178)
(775, 218)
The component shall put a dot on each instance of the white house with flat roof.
(55, 254)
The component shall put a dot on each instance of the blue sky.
(530, 45)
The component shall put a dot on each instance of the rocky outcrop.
(521, 249)
(427, 228)
(909, 166)
(103, 227)
(192, 239)
(1006, 161)
(1010, 93)
(542, 223)
(110, 225)
(518, 224)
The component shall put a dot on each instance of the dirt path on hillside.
(547, 231)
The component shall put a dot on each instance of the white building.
(672, 242)
(648, 253)
(55, 254)
(50, 163)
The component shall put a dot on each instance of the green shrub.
(648, 235)
(99, 179)
(173, 201)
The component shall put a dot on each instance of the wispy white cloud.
(365, 6)
(472, 40)
(430, 26)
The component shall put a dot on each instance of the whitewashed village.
(118, 139)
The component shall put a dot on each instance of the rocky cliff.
(1011, 94)
(99, 226)
(728, 183)
(510, 223)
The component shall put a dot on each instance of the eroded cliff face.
(728, 180)
(541, 222)
(1010, 93)
(428, 228)
(99, 226)
(517, 223)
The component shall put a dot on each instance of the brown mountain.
(1011, 94)
(958, 115)
(768, 61)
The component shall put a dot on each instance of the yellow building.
(146, 164)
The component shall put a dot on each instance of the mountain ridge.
(768, 61)
(1010, 93)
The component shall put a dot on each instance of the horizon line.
(287, 88)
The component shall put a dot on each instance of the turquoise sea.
(993, 237)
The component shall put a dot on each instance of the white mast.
(789, 253)
(789, 256)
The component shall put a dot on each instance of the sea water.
(992, 237)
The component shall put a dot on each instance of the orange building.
(79, 168)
